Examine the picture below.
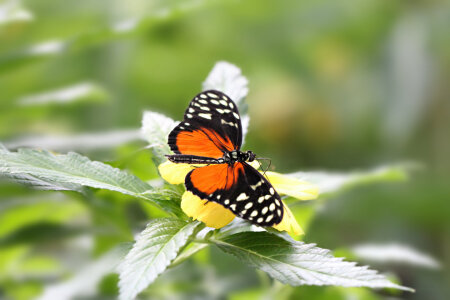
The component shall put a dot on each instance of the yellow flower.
(217, 216)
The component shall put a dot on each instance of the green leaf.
(72, 171)
(332, 182)
(152, 253)
(296, 263)
(42, 184)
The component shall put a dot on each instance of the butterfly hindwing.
(211, 126)
(240, 188)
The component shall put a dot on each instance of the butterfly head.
(250, 156)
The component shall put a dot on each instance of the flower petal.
(289, 223)
(211, 213)
(174, 173)
(292, 186)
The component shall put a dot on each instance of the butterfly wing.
(211, 126)
(240, 188)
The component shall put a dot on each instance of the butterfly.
(211, 134)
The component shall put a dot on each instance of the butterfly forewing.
(240, 188)
(211, 127)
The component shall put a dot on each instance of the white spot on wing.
(272, 207)
(229, 123)
(213, 95)
(223, 102)
(256, 185)
(254, 213)
(236, 115)
(269, 218)
(242, 196)
(215, 102)
(248, 205)
(272, 191)
(206, 116)
(203, 101)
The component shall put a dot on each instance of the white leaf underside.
(155, 130)
(228, 79)
(84, 141)
(330, 182)
(395, 253)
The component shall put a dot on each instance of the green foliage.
(18, 214)
(152, 253)
(339, 85)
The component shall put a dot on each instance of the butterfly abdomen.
(193, 159)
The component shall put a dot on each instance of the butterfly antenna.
(270, 163)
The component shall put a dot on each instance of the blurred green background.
(335, 85)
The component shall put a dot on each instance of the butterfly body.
(211, 135)
(228, 158)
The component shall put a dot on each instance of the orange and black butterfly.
(211, 134)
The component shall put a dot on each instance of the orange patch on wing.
(208, 179)
(204, 142)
